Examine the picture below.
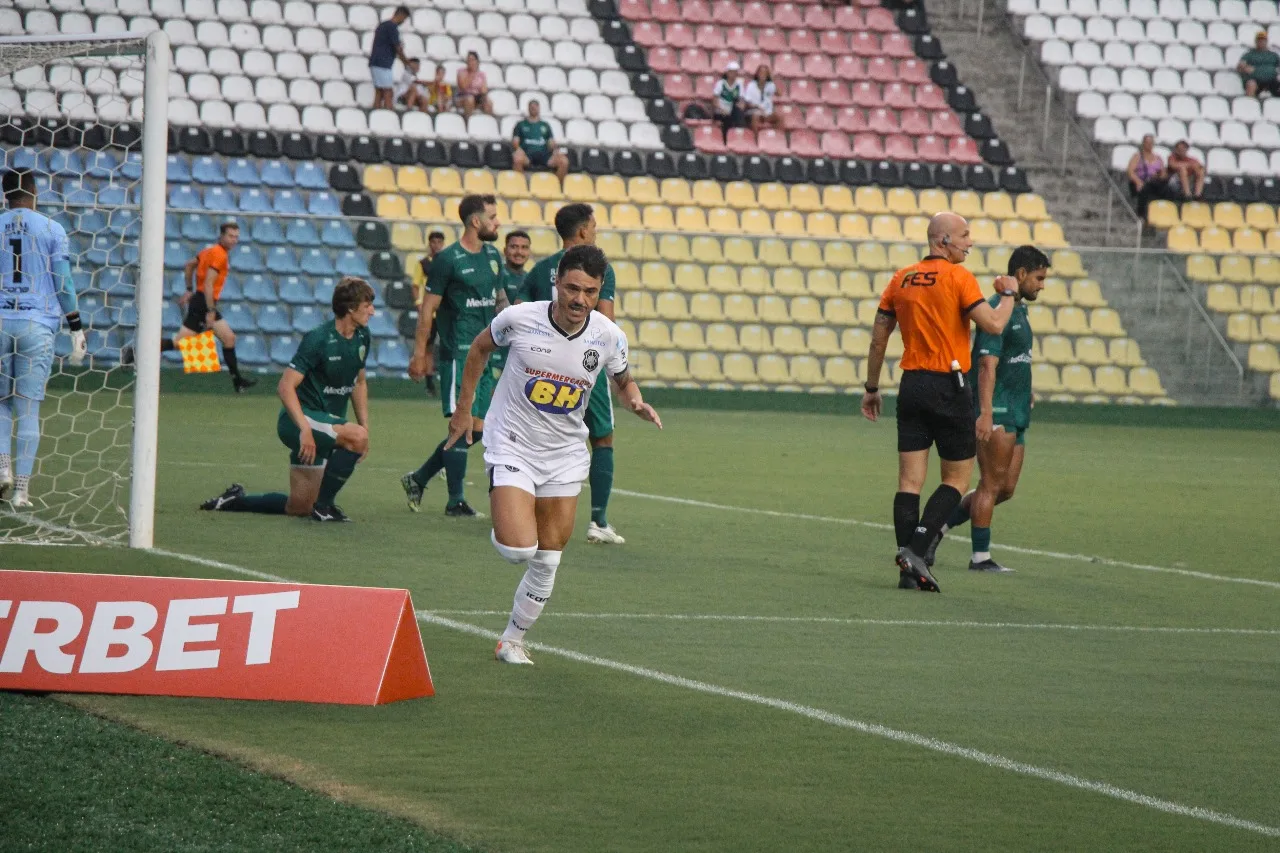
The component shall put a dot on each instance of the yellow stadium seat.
(676, 192)
(641, 364)
(997, 260)
(1247, 240)
(706, 308)
(1264, 358)
(1256, 299)
(636, 304)
(413, 266)
(723, 278)
(756, 222)
(903, 255)
(984, 231)
(855, 342)
(840, 312)
(691, 278)
(657, 217)
(1162, 213)
(610, 242)
(740, 308)
(643, 190)
(655, 275)
(654, 335)
(611, 189)
(1228, 214)
(1054, 293)
(1275, 386)
(773, 310)
(739, 251)
(967, 203)
(896, 346)
(379, 178)
(855, 284)
(1086, 293)
(755, 280)
(998, 205)
(1015, 232)
(740, 368)
(1243, 328)
(1125, 351)
(823, 341)
(870, 201)
(933, 201)
(872, 256)
(478, 182)
(854, 226)
(806, 253)
(774, 253)
(1092, 351)
(627, 275)
(976, 262)
(1202, 268)
(1145, 381)
(526, 212)
(674, 247)
(867, 311)
(1215, 239)
(708, 194)
(1111, 380)
(886, 227)
(806, 370)
(551, 208)
(579, 187)
(599, 212)
(1066, 263)
(1269, 328)
(407, 237)
(671, 306)
(788, 223)
(1057, 350)
(773, 369)
(722, 337)
(916, 229)
(706, 250)
(625, 217)
(628, 328)
(1102, 321)
(512, 185)
(740, 194)
(789, 340)
(1266, 269)
(805, 198)
(881, 281)
(773, 196)
(1260, 216)
(837, 254)
(806, 310)
(789, 281)
(1237, 269)
(393, 207)
(450, 205)
(1197, 214)
(722, 220)
(755, 338)
(838, 199)
(671, 366)
(1042, 319)
(446, 181)
(821, 225)
(546, 242)
(842, 373)
(1077, 379)
(1273, 241)
(1044, 377)
(705, 367)
(822, 282)
(1031, 207)
(901, 202)
(1048, 235)
(412, 180)
(690, 218)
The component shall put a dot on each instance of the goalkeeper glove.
(79, 346)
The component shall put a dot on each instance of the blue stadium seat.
(301, 233)
(132, 256)
(172, 223)
(126, 223)
(274, 319)
(266, 231)
(103, 250)
(283, 348)
(350, 262)
(239, 316)
(198, 227)
(371, 361)
(282, 261)
(324, 204)
(182, 198)
(322, 291)
(295, 291)
(277, 174)
(338, 235)
(382, 326)
(170, 318)
(231, 289)
(392, 354)
(177, 171)
(21, 158)
(309, 176)
(254, 200)
(114, 282)
(288, 202)
(115, 195)
(104, 346)
(316, 262)
(243, 173)
(101, 164)
(131, 168)
(93, 310)
(79, 194)
(252, 350)
(176, 284)
(247, 259)
(208, 171)
(92, 222)
(220, 199)
(128, 315)
(259, 288)
(70, 221)
(65, 163)
(82, 280)
(307, 317)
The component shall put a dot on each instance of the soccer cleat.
(412, 491)
(241, 383)
(906, 580)
(509, 651)
(20, 500)
(604, 535)
(931, 555)
(6, 484)
(328, 513)
(913, 565)
(128, 356)
(233, 493)
(988, 565)
(461, 509)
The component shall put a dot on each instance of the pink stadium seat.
(851, 120)
(944, 123)
(865, 44)
(788, 15)
(695, 61)
(803, 91)
(931, 149)
(758, 14)
(898, 45)
(771, 40)
(635, 10)
(930, 97)
(753, 60)
(882, 120)
(880, 19)
(726, 13)
(696, 12)
(819, 18)
(664, 60)
(679, 87)
(835, 93)
(741, 39)
(793, 117)
(881, 69)
(682, 35)
(804, 143)
(834, 42)
(709, 36)
(850, 68)
(868, 146)
(773, 142)
(850, 19)
(867, 94)
(741, 141)
(721, 58)
(899, 96)
(962, 149)
(709, 139)
(836, 145)
(648, 34)
(803, 42)
(819, 67)
(788, 65)
(667, 11)
(913, 71)
(704, 86)
(899, 147)
(819, 117)
(914, 122)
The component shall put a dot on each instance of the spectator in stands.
(439, 95)
(1186, 172)
(1148, 178)
(409, 90)
(728, 100)
(532, 145)
(758, 96)
(473, 88)
(386, 47)
(1258, 67)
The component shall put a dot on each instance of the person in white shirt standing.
(535, 437)
(727, 95)
(758, 96)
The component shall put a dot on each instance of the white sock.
(532, 594)
(981, 556)
(942, 531)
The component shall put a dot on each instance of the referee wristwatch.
(1013, 293)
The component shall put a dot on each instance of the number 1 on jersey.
(15, 245)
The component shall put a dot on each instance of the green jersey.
(511, 281)
(1011, 398)
(330, 365)
(1265, 64)
(534, 136)
(467, 284)
(540, 284)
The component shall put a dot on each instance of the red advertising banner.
(82, 633)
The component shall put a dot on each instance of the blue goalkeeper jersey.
(32, 246)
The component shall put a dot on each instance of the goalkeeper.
(325, 372)
(36, 293)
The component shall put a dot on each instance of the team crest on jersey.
(361, 351)
(493, 265)
(590, 359)
(553, 396)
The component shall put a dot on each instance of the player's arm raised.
(872, 402)
(986, 390)
(422, 363)
(477, 362)
(287, 389)
(993, 320)
(629, 391)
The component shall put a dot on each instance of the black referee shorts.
(197, 310)
(932, 410)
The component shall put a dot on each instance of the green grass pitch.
(743, 673)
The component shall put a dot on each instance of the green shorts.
(322, 431)
(450, 375)
(599, 414)
(1019, 431)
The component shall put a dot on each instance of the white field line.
(888, 623)
(875, 525)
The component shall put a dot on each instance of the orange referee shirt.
(931, 301)
(212, 258)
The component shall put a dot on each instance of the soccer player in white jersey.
(535, 438)
(36, 293)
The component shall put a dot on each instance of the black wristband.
(73, 321)
(872, 389)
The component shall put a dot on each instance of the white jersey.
(537, 411)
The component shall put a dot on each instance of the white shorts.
(539, 481)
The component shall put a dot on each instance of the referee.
(933, 301)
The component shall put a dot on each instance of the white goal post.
(70, 109)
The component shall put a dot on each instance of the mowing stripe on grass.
(875, 525)
(891, 623)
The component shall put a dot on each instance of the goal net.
(88, 116)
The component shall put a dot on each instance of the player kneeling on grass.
(1002, 375)
(326, 372)
(535, 437)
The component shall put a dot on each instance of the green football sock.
(432, 467)
(336, 471)
(455, 472)
(601, 480)
(981, 537)
(272, 503)
(959, 517)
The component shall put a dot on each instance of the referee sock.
(960, 515)
(601, 480)
(272, 503)
(941, 504)
(337, 470)
(229, 356)
(906, 515)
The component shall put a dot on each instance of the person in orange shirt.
(932, 302)
(205, 274)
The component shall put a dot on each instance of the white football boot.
(6, 484)
(20, 500)
(509, 651)
(603, 535)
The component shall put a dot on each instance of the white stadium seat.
(351, 120)
(250, 116)
(1055, 53)
(1222, 162)
(1170, 131)
(1086, 54)
(238, 89)
(217, 114)
(450, 127)
(384, 123)
(224, 61)
(483, 128)
(318, 120)
(1109, 131)
(417, 125)
(204, 87)
(1121, 105)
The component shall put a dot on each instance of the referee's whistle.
(958, 374)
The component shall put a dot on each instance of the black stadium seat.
(366, 149)
(265, 144)
(230, 143)
(661, 165)
(466, 155)
(295, 146)
(824, 172)
(345, 179)
(595, 161)
(332, 148)
(693, 166)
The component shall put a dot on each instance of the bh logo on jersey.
(553, 396)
